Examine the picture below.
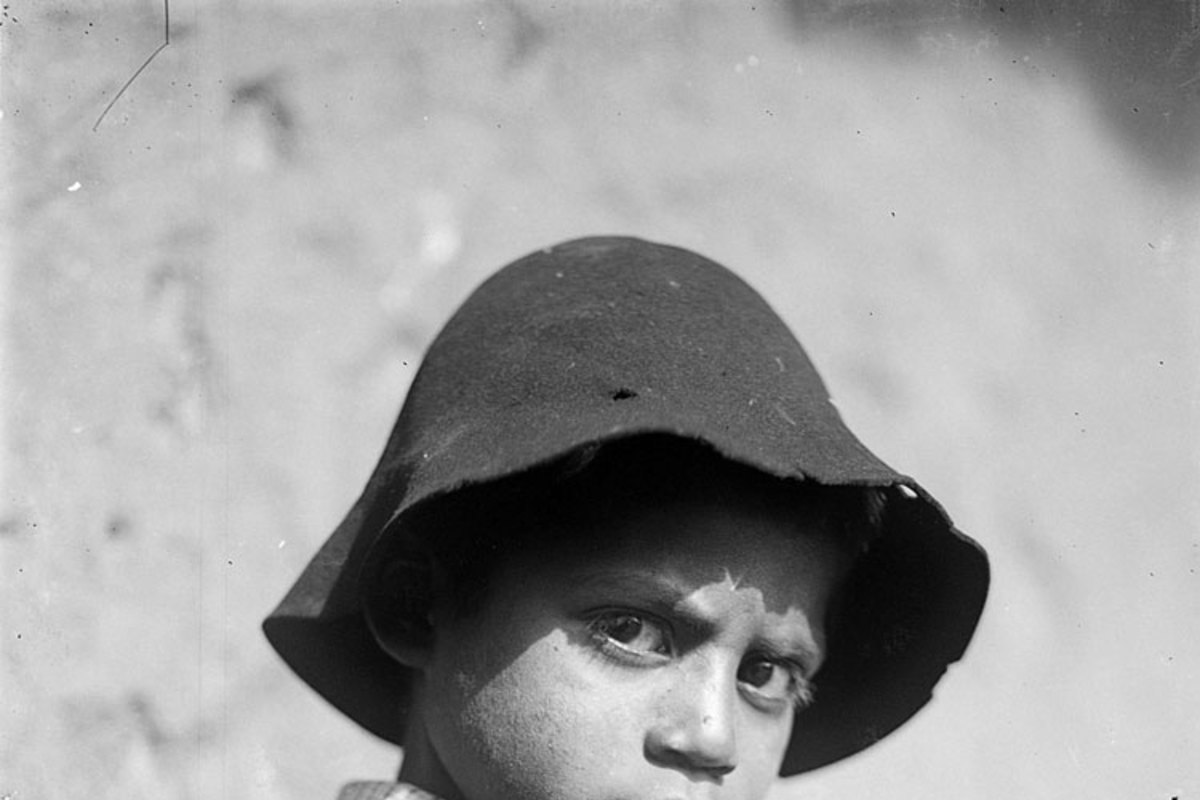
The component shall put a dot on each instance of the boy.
(620, 545)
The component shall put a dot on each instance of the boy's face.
(665, 665)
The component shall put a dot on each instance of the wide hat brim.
(603, 339)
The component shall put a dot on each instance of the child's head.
(620, 544)
(623, 628)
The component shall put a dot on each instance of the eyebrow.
(668, 597)
(653, 588)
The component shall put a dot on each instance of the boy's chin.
(671, 789)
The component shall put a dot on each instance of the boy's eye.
(631, 632)
(759, 673)
(775, 681)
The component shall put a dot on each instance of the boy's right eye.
(632, 633)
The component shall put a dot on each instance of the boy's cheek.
(549, 719)
(546, 691)
(558, 722)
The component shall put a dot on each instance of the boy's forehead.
(693, 512)
(693, 541)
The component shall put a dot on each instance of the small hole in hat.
(623, 394)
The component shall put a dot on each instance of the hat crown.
(600, 337)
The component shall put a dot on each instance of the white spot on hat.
(785, 415)
(907, 492)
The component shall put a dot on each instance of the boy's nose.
(695, 729)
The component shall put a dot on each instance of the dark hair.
(458, 541)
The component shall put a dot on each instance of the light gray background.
(982, 224)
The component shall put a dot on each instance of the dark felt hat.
(602, 339)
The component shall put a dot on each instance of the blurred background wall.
(980, 217)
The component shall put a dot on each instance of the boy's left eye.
(769, 679)
(631, 632)
(765, 676)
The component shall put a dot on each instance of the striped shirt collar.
(377, 790)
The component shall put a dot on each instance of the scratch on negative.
(166, 41)
(784, 414)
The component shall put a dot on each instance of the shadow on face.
(652, 624)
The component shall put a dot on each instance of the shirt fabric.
(379, 790)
